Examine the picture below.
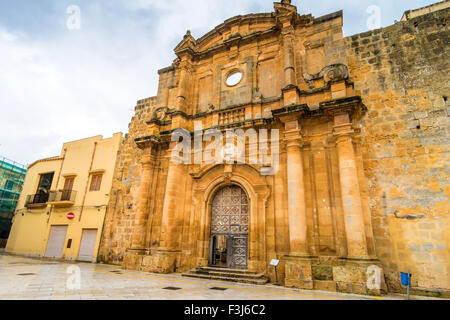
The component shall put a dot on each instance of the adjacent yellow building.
(61, 209)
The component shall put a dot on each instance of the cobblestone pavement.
(41, 279)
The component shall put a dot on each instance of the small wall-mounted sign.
(70, 216)
(274, 262)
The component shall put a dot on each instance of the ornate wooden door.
(230, 217)
(239, 252)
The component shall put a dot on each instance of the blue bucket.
(405, 280)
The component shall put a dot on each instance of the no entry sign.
(70, 215)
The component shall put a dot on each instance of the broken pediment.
(234, 29)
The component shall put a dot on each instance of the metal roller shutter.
(87, 246)
(56, 242)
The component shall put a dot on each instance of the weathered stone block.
(349, 274)
(132, 260)
(298, 273)
(325, 285)
(420, 114)
(322, 272)
(413, 124)
(159, 262)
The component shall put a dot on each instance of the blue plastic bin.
(405, 280)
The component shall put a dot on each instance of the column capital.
(343, 134)
(294, 139)
(148, 143)
(343, 128)
(185, 65)
(292, 133)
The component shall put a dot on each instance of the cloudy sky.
(59, 84)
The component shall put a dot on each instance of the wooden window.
(96, 182)
(67, 191)
(68, 184)
(45, 182)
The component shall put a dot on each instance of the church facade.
(344, 179)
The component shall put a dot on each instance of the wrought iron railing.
(40, 198)
(62, 196)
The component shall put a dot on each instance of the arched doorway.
(229, 228)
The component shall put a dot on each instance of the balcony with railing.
(62, 198)
(36, 200)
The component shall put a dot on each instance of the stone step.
(230, 274)
(218, 269)
(194, 274)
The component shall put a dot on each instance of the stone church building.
(357, 189)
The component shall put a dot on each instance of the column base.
(360, 275)
(161, 261)
(133, 258)
(298, 271)
(290, 95)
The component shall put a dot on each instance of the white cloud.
(65, 85)
(53, 91)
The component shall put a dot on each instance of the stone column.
(350, 192)
(134, 255)
(169, 234)
(290, 90)
(140, 227)
(296, 196)
(298, 272)
(165, 258)
(183, 84)
(289, 69)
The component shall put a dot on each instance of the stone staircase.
(223, 274)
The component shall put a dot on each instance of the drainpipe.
(87, 181)
(60, 168)
(57, 182)
(101, 232)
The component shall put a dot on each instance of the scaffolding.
(12, 175)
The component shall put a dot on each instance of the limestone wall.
(402, 74)
(123, 199)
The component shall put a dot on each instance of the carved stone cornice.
(148, 143)
(351, 105)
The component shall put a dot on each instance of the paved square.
(42, 279)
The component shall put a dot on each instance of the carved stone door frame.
(207, 181)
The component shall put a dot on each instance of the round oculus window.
(234, 78)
